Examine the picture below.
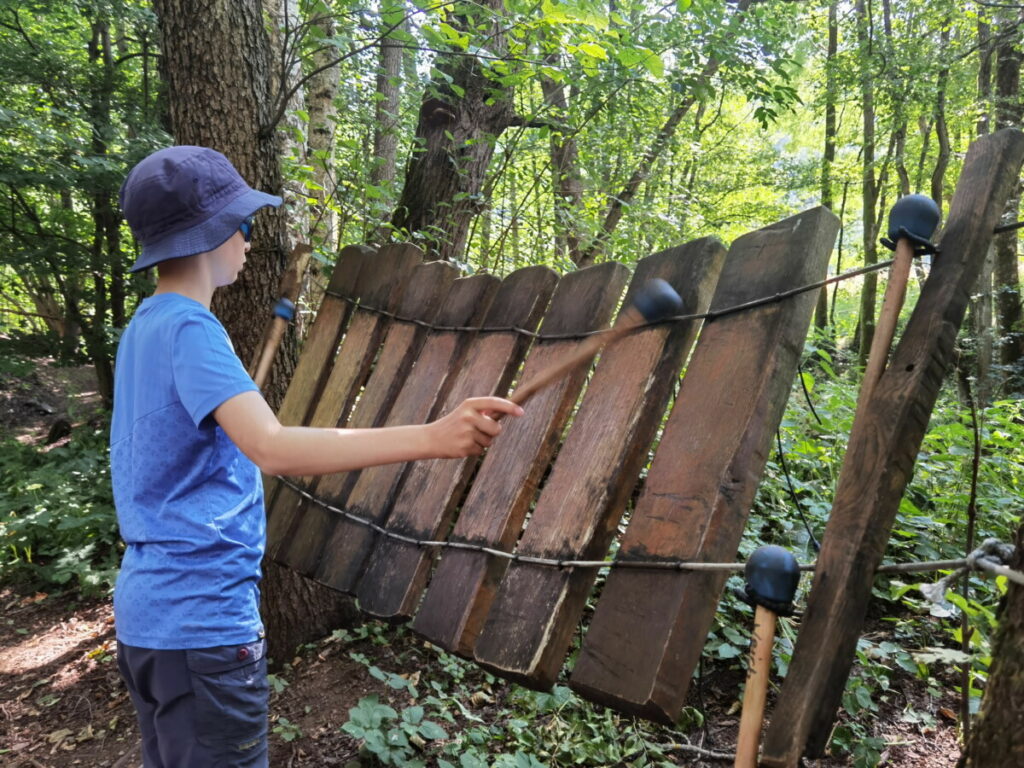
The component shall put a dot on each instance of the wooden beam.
(488, 363)
(312, 370)
(649, 626)
(429, 285)
(880, 457)
(529, 625)
(396, 573)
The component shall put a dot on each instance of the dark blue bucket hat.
(185, 200)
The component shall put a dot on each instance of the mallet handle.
(892, 303)
(756, 692)
(628, 320)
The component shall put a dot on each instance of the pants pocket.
(231, 691)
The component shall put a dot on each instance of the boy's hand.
(470, 428)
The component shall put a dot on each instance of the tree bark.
(869, 192)
(829, 154)
(459, 118)
(941, 129)
(568, 187)
(385, 124)
(980, 308)
(1009, 112)
(216, 63)
(997, 735)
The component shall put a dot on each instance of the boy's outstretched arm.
(281, 450)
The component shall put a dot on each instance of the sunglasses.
(246, 228)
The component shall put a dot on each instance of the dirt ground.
(62, 702)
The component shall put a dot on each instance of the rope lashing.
(992, 557)
(709, 315)
(980, 559)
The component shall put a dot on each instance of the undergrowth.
(58, 528)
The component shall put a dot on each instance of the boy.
(189, 436)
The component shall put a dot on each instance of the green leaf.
(431, 730)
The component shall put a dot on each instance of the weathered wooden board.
(313, 368)
(583, 301)
(880, 458)
(466, 303)
(381, 282)
(487, 367)
(649, 626)
(442, 352)
(529, 628)
(429, 285)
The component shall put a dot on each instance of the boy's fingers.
(495, 404)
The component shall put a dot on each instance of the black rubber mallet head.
(772, 577)
(914, 217)
(655, 300)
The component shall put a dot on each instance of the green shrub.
(58, 527)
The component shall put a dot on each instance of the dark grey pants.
(199, 708)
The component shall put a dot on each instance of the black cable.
(792, 491)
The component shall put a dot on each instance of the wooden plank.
(429, 284)
(583, 301)
(381, 282)
(442, 352)
(535, 613)
(880, 456)
(315, 362)
(649, 627)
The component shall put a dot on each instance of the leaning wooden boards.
(880, 458)
(704, 474)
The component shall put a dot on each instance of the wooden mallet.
(772, 576)
(283, 313)
(912, 221)
(655, 300)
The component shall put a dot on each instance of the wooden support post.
(880, 458)
(649, 626)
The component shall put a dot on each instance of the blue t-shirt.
(189, 502)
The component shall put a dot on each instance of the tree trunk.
(216, 62)
(997, 735)
(980, 309)
(568, 187)
(320, 93)
(870, 188)
(941, 129)
(459, 118)
(1006, 274)
(829, 155)
(385, 124)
